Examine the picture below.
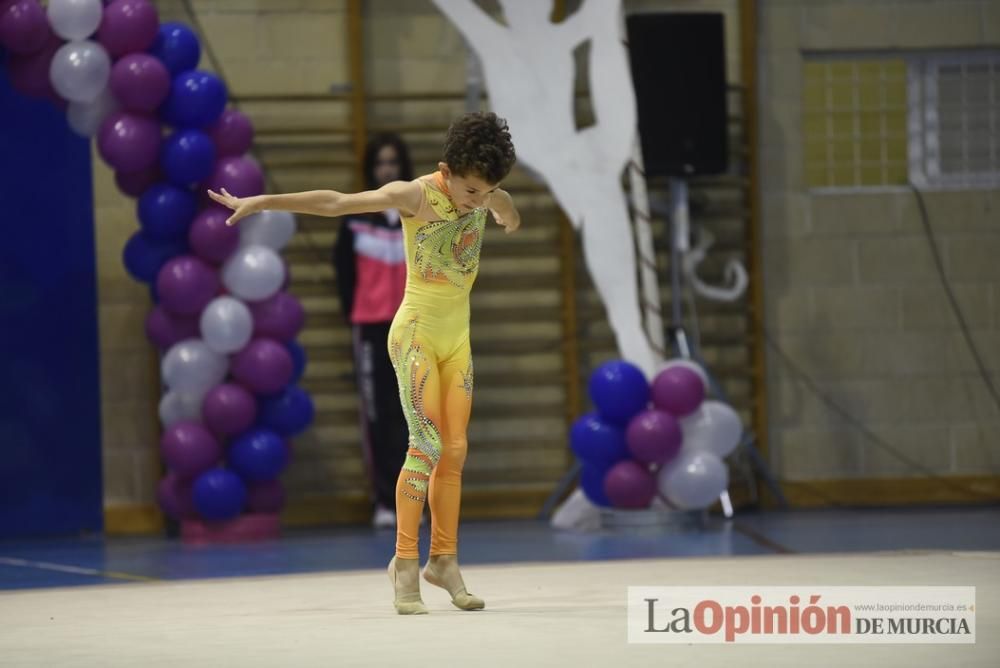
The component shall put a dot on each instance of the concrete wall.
(851, 292)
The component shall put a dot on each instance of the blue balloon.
(177, 47)
(619, 390)
(592, 483)
(219, 494)
(298, 354)
(166, 212)
(597, 442)
(287, 413)
(258, 455)
(196, 99)
(187, 157)
(144, 257)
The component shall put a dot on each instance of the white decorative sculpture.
(529, 71)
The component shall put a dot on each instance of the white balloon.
(253, 273)
(689, 364)
(715, 427)
(693, 480)
(273, 229)
(180, 407)
(191, 366)
(80, 70)
(226, 325)
(75, 19)
(86, 117)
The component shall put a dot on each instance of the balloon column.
(221, 315)
(654, 439)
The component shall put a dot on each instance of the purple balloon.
(24, 28)
(654, 437)
(128, 26)
(232, 133)
(678, 391)
(279, 317)
(210, 238)
(186, 285)
(129, 142)
(629, 485)
(229, 409)
(140, 82)
(134, 184)
(165, 329)
(190, 449)
(29, 74)
(264, 366)
(176, 497)
(266, 497)
(241, 176)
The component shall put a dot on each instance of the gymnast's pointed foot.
(404, 574)
(442, 571)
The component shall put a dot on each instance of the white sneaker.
(384, 518)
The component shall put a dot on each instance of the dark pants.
(384, 434)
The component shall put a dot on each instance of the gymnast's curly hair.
(479, 143)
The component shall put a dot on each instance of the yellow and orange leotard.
(430, 352)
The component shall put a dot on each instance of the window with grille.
(882, 122)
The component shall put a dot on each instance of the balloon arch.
(221, 314)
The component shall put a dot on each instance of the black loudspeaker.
(679, 72)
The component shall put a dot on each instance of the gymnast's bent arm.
(402, 195)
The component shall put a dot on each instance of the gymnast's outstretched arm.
(401, 195)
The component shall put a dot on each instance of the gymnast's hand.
(241, 206)
(504, 212)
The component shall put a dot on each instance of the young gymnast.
(444, 216)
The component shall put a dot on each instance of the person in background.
(370, 265)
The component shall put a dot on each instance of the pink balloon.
(279, 317)
(629, 485)
(264, 366)
(140, 82)
(229, 409)
(241, 176)
(29, 74)
(186, 285)
(129, 142)
(654, 437)
(134, 184)
(24, 27)
(190, 449)
(678, 390)
(128, 26)
(176, 498)
(165, 329)
(232, 133)
(210, 238)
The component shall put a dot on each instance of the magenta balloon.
(190, 449)
(29, 75)
(654, 437)
(678, 391)
(241, 176)
(264, 366)
(186, 284)
(232, 133)
(128, 26)
(266, 497)
(229, 409)
(165, 329)
(129, 142)
(210, 238)
(24, 27)
(175, 495)
(140, 82)
(629, 485)
(279, 317)
(134, 184)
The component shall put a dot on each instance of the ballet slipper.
(406, 585)
(442, 571)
